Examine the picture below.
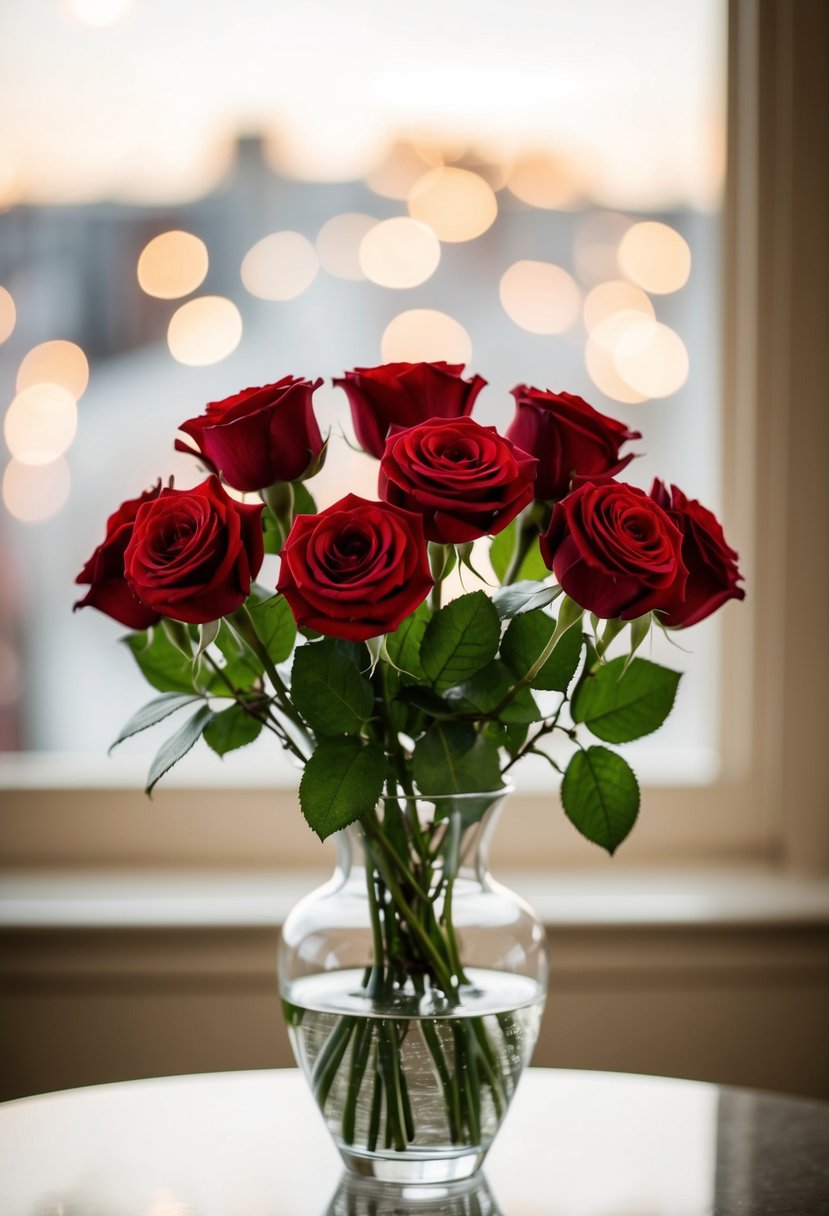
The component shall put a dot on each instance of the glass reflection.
(358, 1197)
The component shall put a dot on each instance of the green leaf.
(619, 705)
(230, 729)
(523, 597)
(153, 712)
(500, 555)
(342, 781)
(178, 745)
(403, 646)
(459, 640)
(179, 634)
(524, 641)
(161, 663)
(511, 736)
(357, 653)
(601, 796)
(275, 626)
(426, 700)
(486, 689)
(452, 758)
(328, 690)
(242, 668)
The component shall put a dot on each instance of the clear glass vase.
(413, 987)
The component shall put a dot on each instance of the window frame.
(770, 801)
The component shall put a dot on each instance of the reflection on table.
(253, 1144)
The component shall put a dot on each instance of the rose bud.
(193, 553)
(466, 480)
(711, 562)
(403, 394)
(568, 437)
(614, 550)
(104, 572)
(356, 570)
(260, 436)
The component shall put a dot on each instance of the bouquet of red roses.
(361, 584)
(382, 687)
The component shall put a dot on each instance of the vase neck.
(450, 835)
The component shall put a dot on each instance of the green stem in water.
(376, 1103)
(331, 1058)
(359, 1061)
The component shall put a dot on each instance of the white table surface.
(253, 1144)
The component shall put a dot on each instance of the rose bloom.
(568, 437)
(356, 570)
(614, 550)
(104, 572)
(193, 553)
(259, 436)
(403, 394)
(465, 480)
(712, 564)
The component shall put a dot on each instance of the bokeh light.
(614, 296)
(399, 252)
(99, 12)
(424, 334)
(338, 244)
(602, 371)
(280, 266)
(596, 246)
(9, 181)
(204, 331)
(398, 171)
(40, 423)
(608, 333)
(652, 359)
(456, 204)
(544, 181)
(172, 265)
(56, 362)
(8, 314)
(656, 257)
(33, 493)
(540, 297)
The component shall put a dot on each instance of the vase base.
(413, 1168)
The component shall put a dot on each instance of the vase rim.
(468, 796)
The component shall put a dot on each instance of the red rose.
(403, 394)
(193, 553)
(568, 437)
(356, 570)
(465, 480)
(260, 436)
(105, 569)
(614, 550)
(711, 562)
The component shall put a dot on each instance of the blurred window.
(191, 205)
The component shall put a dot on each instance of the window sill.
(660, 897)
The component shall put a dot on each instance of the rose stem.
(331, 1058)
(376, 1104)
(359, 1060)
